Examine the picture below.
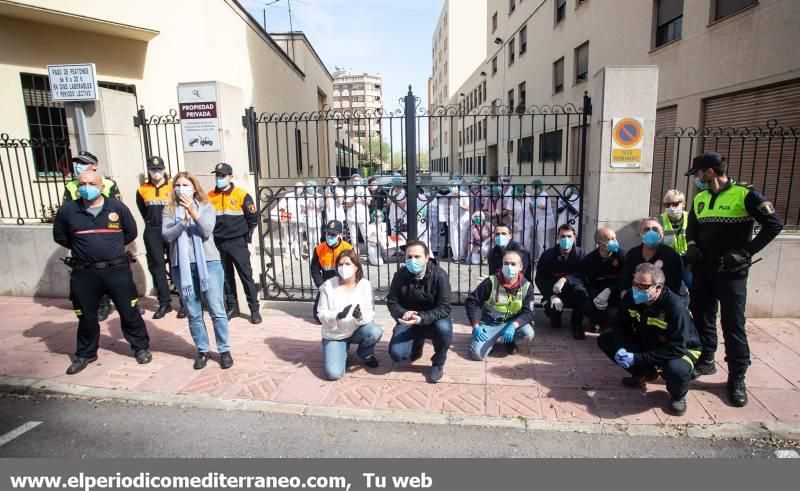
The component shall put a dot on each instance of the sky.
(391, 38)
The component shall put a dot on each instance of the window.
(494, 22)
(669, 20)
(512, 5)
(526, 149)
(582, 63)
(561, 10)
(558, 75)
(494, 65)
(521, 107)
(523, 39)
(480, 130)
(550, 146)
(47, 119)
(459, 137)
(724, 8)
(510, 146)
(511, 52)
(511, 99)
(484, 90)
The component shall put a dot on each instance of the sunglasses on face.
(654, 229)
(670, 205)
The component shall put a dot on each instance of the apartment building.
(362, 92)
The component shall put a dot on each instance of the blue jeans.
(334, 352)
(479, 349)
(409, 339)
(215, 299)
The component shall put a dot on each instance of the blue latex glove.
(508, 332)
(479, 334)
(623, 358)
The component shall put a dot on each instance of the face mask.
(222, 182)
(640, 296)
(699, 184)
(651, 238)
(477, 220)
(332, 240)
(89, 192)
(415, 266)
(453, 189)
(356, 183)
(510, 272)
(566, 243)
(156, 175)
(502, 240)
(378, 218)
(675, 211)
(568, 192)
(80, 169)
(612, 246)
(346, 271)
(400, 196)
(475, 189)
(184, 191)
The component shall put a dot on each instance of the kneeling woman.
(346, 310)
(188, 225)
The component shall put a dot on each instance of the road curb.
(776, 430)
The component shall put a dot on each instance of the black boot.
(232, 311)
(103, 311)
(162, 311)
(705, 366)
(181, 312)
(737, 390)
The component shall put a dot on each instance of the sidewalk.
(558, 382)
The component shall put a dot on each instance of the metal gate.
(303, 164)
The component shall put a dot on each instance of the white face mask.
(156, 175)
(346, 271)
(675, 211)
(184, 190)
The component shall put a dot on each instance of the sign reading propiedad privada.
(626, 143)
(73, 82)
(197, 103)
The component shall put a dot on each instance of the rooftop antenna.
(291, 29)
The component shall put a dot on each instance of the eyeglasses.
(642, 286)
(670, 205)
(653, 228)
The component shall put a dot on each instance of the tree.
(374, 149)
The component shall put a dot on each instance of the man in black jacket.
(652, 250)
(419, 301)
(503, 243)
(601, 271)
(558, 282)
(654, 331)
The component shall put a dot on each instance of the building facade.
(353, 91)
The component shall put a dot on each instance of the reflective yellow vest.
(502, 303)
(675, 238)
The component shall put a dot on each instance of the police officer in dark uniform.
(720, 247)
(96, 229)
(151, 198)
(237, 217)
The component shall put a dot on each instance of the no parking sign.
(626, 142)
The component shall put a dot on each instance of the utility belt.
(78, 264)
(717, 263)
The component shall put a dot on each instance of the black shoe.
(512, 348)
(255, 317)
(143, 357)
(162, 311)
(416, 353)
(634, 382)
(436, 373)
(103, 311)
(201, 360)
(678, 406)
(372, 362)
(578, 333)
(705, 366)
(737, 390)
(79, 364)
(232, 312)
(181, 312)
(225, 360)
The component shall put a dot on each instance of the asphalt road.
(93, 429)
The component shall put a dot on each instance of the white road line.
(787, 454)
(17, 432)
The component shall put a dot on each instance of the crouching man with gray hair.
(654, 333)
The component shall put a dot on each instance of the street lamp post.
(504, 134)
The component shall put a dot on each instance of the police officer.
(323, 259)
(80, 164)
(96, 229)
(237, 217)
(151, 197)
(720, 246)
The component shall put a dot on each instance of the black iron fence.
(161, 135)
(765, 157)
(33, 173)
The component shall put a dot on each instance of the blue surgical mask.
(566, 243)
(415, 266)
(510, 272)
(332, 240)
(640, 296)
(651, 238)
(699, 184)
(612, 246)
(88, 192)
(80, 169)
(502, 240)
(222, 182)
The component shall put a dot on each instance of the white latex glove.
(559, 285)
(601, 300)
(557, 303)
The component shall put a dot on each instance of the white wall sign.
(198, 112)
(73, 82)
(626, 142)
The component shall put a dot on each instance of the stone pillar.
(617, 197)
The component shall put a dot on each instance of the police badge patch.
(766, 208)
(701, 207)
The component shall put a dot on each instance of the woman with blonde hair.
(188, 225)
